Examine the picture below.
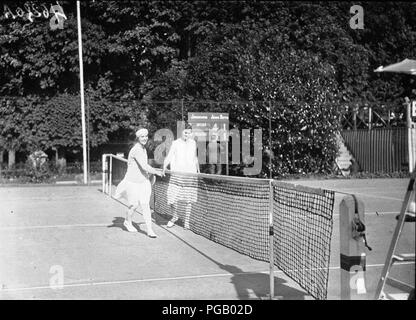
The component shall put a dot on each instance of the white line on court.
(380, 213)
(372, 188)
(366, 195)
(101, 283)
(57, 226)
(48, 198)
(104, 283)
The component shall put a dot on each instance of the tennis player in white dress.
(136, 187)
(182, 157)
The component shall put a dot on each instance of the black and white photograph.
(208, 155)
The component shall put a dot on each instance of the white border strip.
(117, 282)
(57, 226)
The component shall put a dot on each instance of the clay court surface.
(77, 232)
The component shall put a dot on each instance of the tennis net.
(303, 224)
(231, 211)
(238, 212)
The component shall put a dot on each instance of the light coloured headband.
(141, 132)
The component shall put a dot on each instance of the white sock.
(147, 215)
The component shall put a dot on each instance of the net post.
(271, 295)
(154, 194)
(271, 237)
(271, 231)
(352, 250)
(110, 176)
(103, 166)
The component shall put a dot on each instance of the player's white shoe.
(129, 226)
(152, 234)
(172, 221)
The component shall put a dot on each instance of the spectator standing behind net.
(182, 157)
(136, 187)
(215, 150)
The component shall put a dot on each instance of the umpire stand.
(407, 214)
(353, 244)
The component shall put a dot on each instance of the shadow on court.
(251, 286)
(247, 285)
(118, 223)
(82, 230)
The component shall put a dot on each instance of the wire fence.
(296, 137)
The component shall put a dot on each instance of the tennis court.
(77, 232)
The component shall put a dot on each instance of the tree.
(300, 55)
(14, 132)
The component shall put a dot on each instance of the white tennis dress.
(136, 187)
(182, 157)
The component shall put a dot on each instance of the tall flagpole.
(81, 80)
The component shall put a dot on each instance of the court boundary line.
(48, 198)
(117, 282)
(63, 226)
(377, 197)
(57, 226)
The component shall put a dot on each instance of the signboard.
(209, 123)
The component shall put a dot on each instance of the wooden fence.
(380, 149)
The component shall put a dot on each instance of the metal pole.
(271, 237)
(271, 232)
(110, 177)
(81, 80)
(270, 140)
(104, 172)
(370, 118)
(88, 142)
(410, 145)
(182, 109)
(354, 119)
(227, 166)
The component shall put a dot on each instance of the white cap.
(141, 132)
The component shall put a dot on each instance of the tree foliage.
(303, 57)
